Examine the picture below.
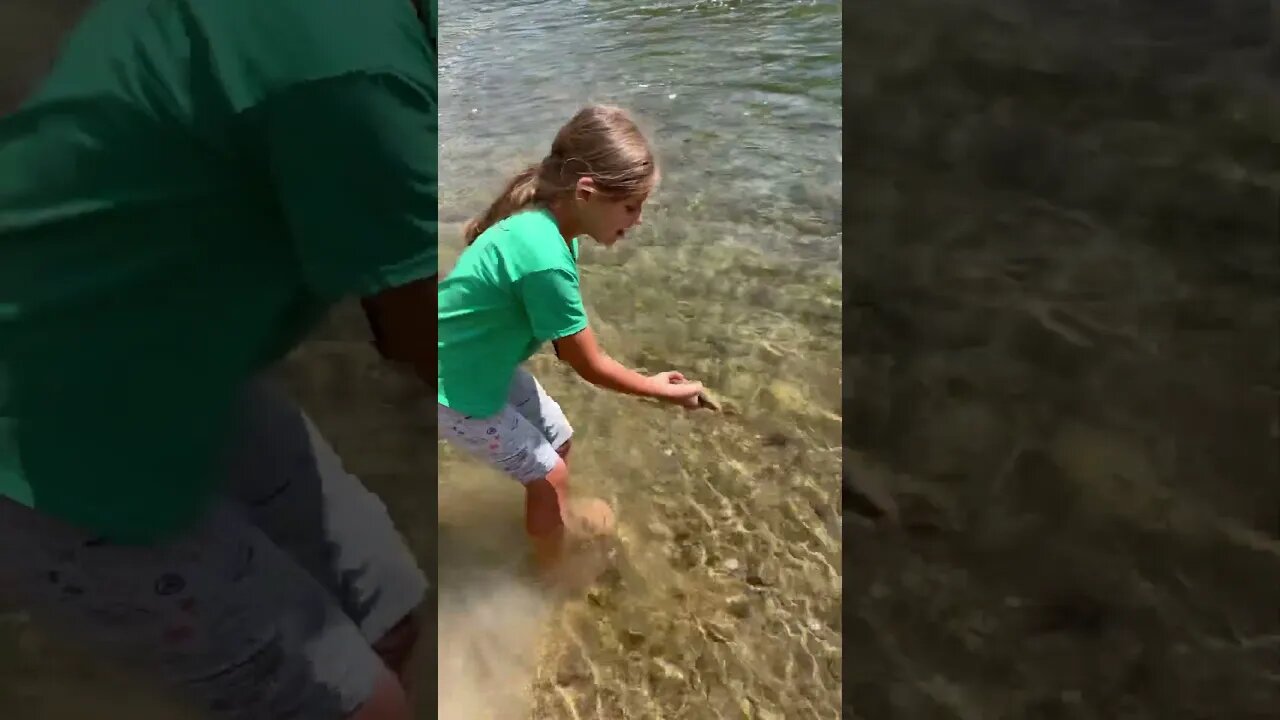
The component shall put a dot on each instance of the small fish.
(707, 402)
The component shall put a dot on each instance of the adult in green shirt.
(188, 190)
(516, 288)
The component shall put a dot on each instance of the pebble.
(662, 670)
(730, 564)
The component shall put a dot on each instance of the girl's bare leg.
(550, 516)
(544, 503)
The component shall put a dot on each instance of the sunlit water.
(742, 100)
(722, 595)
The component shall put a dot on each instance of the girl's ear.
(584, 189)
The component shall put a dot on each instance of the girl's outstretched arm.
(583, 354)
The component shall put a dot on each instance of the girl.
(515, 287)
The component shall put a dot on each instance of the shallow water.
(742, 100)
(1062, 360)
(722, 595)
(723, 599)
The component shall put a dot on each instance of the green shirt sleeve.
(553, 302)
(353, 161)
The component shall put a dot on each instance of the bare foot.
(575, 559)
(588, 518)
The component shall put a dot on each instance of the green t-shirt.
(186, 194)
(513, 289)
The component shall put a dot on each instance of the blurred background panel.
(1062, 359)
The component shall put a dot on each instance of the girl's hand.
(671, 387)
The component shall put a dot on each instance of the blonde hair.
(600, 142)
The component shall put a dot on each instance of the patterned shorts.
(521, 439)
(266, 608)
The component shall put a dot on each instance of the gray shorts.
(521, 439)
(266, 609)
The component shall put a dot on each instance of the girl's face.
(607, 219)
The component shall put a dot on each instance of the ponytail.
(600, 142)
(520, 193)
